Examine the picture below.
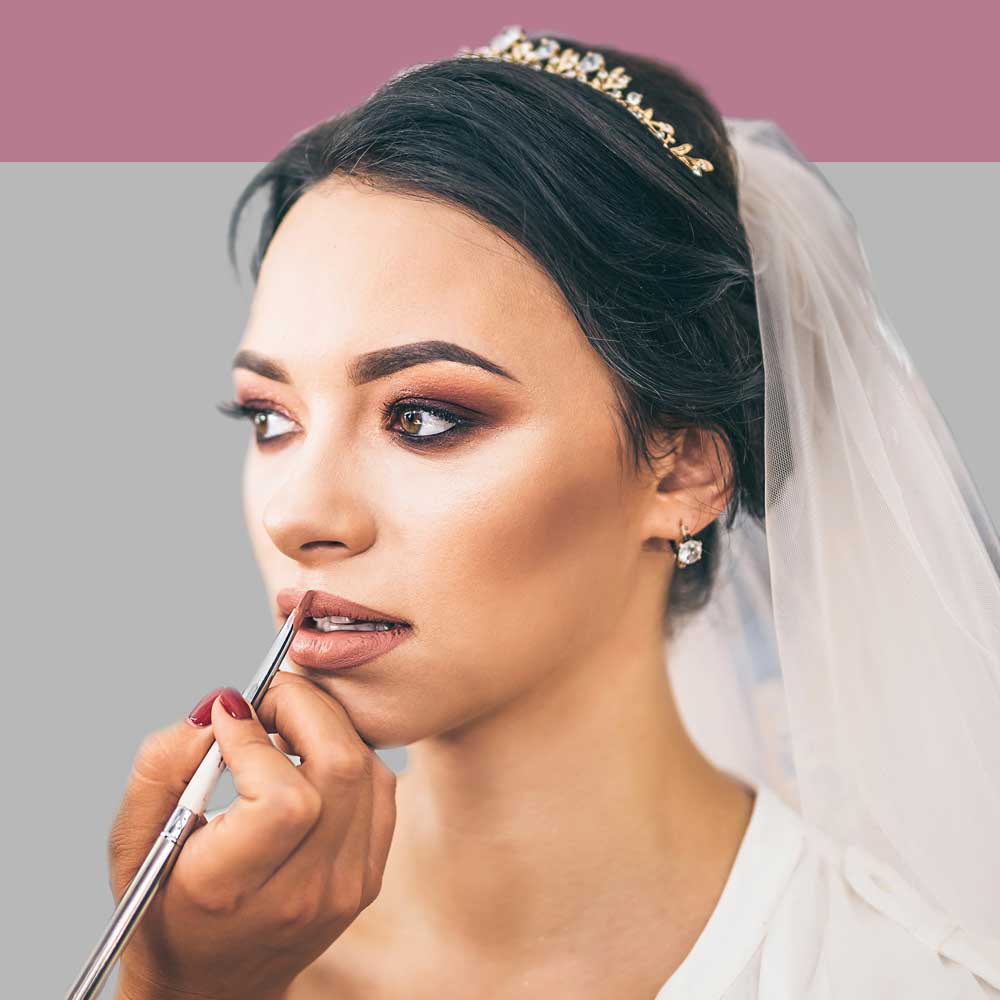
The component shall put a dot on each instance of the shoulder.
(848, 924)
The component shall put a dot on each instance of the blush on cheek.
(553, 550)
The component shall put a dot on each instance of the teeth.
(341, 623)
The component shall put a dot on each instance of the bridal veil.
(849, 655)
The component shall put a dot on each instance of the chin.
(383, 718)
(388, 720)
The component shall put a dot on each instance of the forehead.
(352, 267)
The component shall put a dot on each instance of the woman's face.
(509, 542)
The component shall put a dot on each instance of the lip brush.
(183, 820)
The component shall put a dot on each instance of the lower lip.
(340, 649)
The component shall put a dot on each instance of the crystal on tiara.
(505, 38)
(511, 45)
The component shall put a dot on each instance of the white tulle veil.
(849, 656)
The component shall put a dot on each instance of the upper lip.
(324, 604)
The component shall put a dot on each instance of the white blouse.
(794, 896)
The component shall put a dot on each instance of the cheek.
(527, 546)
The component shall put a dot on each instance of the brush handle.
(199, 789)
(136, 897)
(158, 864)
(183, 821)
(204, 781)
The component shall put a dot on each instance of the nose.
(319, 511)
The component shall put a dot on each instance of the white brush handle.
(203, 781)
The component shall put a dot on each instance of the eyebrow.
(378, 364)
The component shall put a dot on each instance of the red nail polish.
(235, 704)
(201, 714)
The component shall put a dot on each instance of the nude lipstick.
(339, 633)
(339, 650)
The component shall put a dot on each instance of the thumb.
(255, 763)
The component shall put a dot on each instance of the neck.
(583, 801)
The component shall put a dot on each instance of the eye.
(261, 417)
(421, 422)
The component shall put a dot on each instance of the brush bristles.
(302, 609)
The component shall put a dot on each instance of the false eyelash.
(230, 408)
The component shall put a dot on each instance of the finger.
(317, 729)
(381, 827)
(341, 766)
(162, 767)
(328, 871)
(275, 810)
(334, 759)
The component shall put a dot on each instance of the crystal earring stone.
(688, 552)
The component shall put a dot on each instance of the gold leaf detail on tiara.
(511, 45)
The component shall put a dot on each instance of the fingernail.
(201, 714)
(235, 704)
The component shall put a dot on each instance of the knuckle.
(214, 901)
(224, 907)
(348, 765)
(301, 908)
(298, 803)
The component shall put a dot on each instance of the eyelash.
(241, 411)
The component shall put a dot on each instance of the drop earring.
(689, 550)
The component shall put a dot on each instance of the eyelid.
(418, 401)
(251, 397)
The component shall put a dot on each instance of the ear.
(691, 483)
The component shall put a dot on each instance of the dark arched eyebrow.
(378, 364)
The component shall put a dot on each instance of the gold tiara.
(512, 46)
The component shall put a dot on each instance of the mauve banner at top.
(228, 81)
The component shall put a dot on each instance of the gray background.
(120, 315)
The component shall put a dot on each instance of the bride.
(694, 644)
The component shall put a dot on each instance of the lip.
(324, 604)
(317, 650)
(338, 650)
